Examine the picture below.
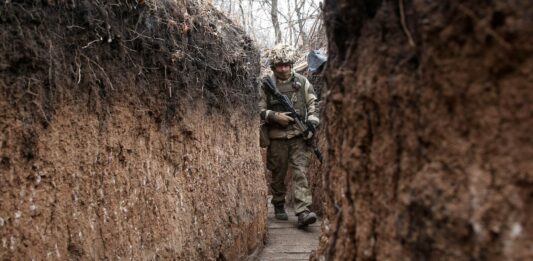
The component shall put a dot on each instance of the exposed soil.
(430, 139)
(127, 132)
(316, 171)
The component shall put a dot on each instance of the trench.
(129, 130)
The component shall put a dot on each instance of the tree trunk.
(243, 18)
(298, 8)
(275, 21)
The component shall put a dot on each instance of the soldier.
(287, 149)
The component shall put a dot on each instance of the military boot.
(306, 218)
(280, 213)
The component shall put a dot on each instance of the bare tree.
(243, 18)
(300, 19)
(275, 21)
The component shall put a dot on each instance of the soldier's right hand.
(283, 118)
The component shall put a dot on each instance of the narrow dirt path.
(286, 242)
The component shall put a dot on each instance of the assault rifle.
(306, 126)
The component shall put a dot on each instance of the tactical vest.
(295, 91)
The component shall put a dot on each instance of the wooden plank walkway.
(286, 242)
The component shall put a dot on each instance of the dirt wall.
(429, 121)
(316, 171)
(127, 133)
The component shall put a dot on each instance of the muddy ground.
(127, 132)
(429, 119)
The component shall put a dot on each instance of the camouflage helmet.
(282, 53)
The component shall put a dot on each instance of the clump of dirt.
(128, 131)
(429, 119)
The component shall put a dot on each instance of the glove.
(282, 118)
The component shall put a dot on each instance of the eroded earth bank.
(429, 121)
(127, 132)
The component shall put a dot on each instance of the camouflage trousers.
(290, 155)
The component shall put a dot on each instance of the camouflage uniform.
(287, 149)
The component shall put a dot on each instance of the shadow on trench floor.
(285, 241)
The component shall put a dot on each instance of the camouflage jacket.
(304, 100)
